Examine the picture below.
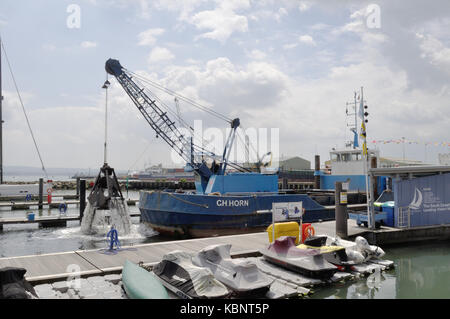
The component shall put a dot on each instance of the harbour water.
(421, 270)
(21, 239)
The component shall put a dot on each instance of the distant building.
(397, 162)
(294, 164)
(444, 159)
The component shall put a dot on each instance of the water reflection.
(422, 271)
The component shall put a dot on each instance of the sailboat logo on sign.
(417, 200)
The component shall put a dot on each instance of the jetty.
(45, 268)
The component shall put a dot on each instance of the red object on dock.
(49, 198)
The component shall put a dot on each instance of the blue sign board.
(426, 198)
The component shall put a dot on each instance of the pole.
(317, 172)
(366, 167)
(82, 197)
(41, 192)
(373, 164)
(1, 117)
(106, 117)
(78, 186)
(403, 142)
(340, 202)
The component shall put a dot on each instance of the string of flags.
(405, 141)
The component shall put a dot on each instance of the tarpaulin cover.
(13, 284)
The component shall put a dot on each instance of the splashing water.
(99, 221)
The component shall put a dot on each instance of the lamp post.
(106, 86)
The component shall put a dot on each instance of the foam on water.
(96, 221)
(137, 231)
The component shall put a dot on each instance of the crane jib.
(165, 128)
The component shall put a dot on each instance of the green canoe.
(141, 284)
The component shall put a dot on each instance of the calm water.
(421, 270)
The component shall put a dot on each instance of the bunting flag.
(404, 141)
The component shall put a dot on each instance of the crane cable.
(181, 97)
(24, 111)
(188, 100)
(202, 141)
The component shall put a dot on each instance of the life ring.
(308, 232)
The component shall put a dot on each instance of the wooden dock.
(53, 267)
(58, 266)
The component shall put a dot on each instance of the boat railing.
(404, 217)
(249, 193)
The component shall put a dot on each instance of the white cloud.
(184, 7)
(223, 21)
(148, 37)
(307, 39)
(358, 26)
(88, 44)
(304, 6)
(435, 52)
(281, 12)
(256, 55)
(290, 46)
(160, 54)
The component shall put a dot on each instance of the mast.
(366, 153)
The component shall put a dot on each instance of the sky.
(276, 64)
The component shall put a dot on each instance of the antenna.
(353, 125)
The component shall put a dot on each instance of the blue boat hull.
(195, 215)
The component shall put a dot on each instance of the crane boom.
(155, 116)
(166, 128)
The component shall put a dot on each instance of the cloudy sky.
(286, 64)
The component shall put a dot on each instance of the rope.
(187, 202)
(24, 112)
(186, 125)
(174, 133)
(186, 99)
(145, 151)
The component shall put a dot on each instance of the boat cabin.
(351, 161)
